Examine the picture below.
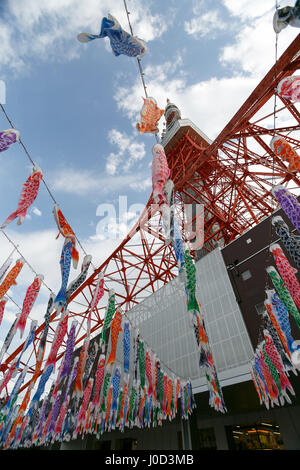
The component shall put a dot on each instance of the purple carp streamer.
(289, 204)
(7, 138)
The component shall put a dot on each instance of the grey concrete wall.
(166, 436)
(163, 437)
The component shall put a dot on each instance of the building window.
(246, 275)
(207, 440)
(128, 443)
(260, 308)
(263, 435)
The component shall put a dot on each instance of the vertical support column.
(220, 434)
(186, 434)
(289, 427)
(194, 435)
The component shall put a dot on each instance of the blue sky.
(76, 106)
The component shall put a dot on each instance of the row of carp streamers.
(277, 352)
(103, 405)
(163, 195)
(63, 416)
(78, 403)
(81, 402)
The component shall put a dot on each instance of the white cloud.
(142, 185)
(39, 248)
(209, 23)
(209, 104)
(253, 50)
(116, 228)
(8, 56)
(159, 77)
(48, 30)
(129, 152)
(75, 181)
(84, 182)
(245, 59)
(37, 211)
(146, 25)
(246, 10)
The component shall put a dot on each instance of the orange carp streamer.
(115, 330)
(150, 115)
(10, 279)
(66, 231)
(286, 152)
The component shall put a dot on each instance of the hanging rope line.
(43, 179)
(138, 61)
(273, 203)
(141, 72)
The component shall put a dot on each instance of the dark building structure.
(247, 425)
(246, 259)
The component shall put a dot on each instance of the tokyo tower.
(232, 177)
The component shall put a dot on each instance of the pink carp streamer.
(28, 195)
(78, 388)
(269, 375)
(287, 272)
(83, 408)
(273, 354)
(99, 380)
(2, 307)
(160, 173)
(289, 88)
(162, 189)
(29, 300)
(60, 333)
(277, 352)
(98, 292)
(8, 375)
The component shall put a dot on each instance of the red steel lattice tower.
(231, 176)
